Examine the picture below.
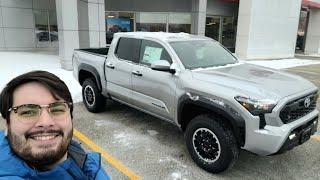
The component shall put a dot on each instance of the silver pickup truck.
(220, 104)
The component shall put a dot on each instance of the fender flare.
(93, 71)
(217, 107)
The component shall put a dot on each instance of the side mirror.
(162, 65)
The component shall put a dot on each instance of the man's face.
(42, 141)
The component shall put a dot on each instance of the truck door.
(118, 68)
(152, 90)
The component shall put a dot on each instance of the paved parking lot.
(154, 149)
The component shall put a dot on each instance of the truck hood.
(254, 81)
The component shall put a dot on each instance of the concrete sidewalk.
(307, 56)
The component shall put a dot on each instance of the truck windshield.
(202, 54)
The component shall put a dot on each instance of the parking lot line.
(316, 137)
(113, 161)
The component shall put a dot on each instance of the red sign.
(310, 3)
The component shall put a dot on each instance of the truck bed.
(97, 51)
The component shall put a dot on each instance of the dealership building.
(253, 29)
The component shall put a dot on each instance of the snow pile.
(16, 63)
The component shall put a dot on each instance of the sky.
(13, 64)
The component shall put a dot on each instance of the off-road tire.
(200, 129)
(92, 98)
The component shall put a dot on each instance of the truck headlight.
(256, 107)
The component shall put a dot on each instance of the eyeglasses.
(33, 111)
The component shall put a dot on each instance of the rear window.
(128, 49)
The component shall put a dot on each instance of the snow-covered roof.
(164, 36)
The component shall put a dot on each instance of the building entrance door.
(213, 28)
(221, 29)
(302, 30)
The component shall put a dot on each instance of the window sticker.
(151, 54)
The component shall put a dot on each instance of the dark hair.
(54, 84)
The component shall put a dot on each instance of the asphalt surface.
(155, 149)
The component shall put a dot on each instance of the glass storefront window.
(118, 22)
(151, 27)
(213, 27)
(53, 28)
(146, 21)
(179, 22)
(301, 30)
(228, 34)
(42, 28)
(46, 28)
(222, 29)
(151, 22)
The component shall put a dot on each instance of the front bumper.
(277, 139)
(299, 135)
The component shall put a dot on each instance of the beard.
(47, 156)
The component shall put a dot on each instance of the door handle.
(137, 73)
(110, 65)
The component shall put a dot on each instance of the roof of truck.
(164, 36)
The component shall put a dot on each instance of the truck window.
(202, 54)
(153, 51)
(128, 49)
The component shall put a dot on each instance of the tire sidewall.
(98, 101)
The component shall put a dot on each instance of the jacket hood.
(253, 80)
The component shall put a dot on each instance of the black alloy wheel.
(89, 96)
(206, 145)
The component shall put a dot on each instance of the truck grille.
(297, 108)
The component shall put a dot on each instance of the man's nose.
(45, 119)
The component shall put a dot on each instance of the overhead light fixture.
(110, 16)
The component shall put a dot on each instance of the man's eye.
(27, 113)
(58, 109)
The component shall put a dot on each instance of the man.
(37, 142)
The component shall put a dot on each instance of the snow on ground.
(152, 132)
(284, 63)
(171, 159)
(13, 64)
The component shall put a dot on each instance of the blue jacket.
(14, 168)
